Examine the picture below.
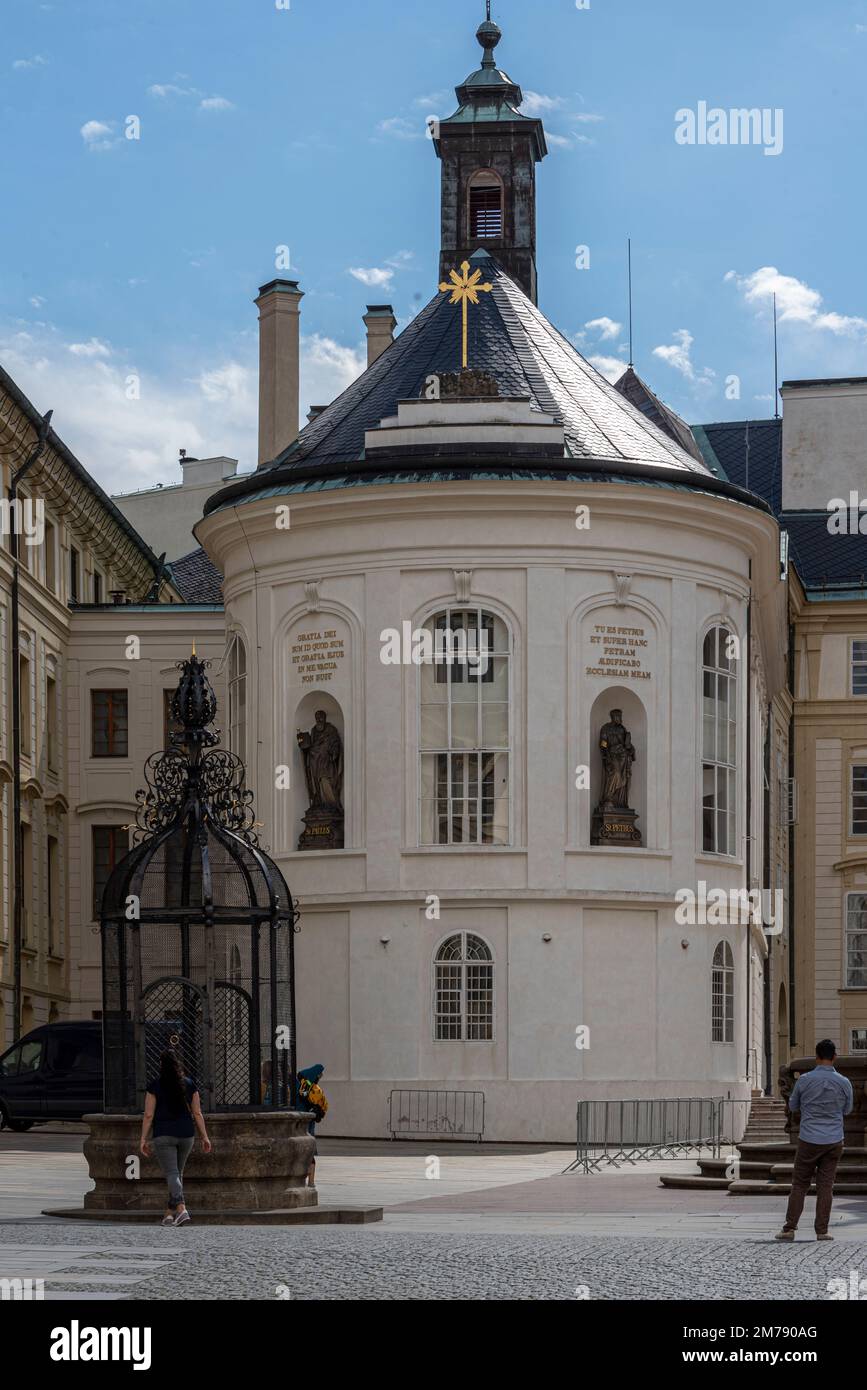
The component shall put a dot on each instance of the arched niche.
(304, 720)
(635, 720)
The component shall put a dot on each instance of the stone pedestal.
(323, 830)
(615, 827)
(258, 1163)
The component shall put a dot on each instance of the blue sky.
(304, 127)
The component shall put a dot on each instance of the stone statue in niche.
(322, 751)
(613, 819)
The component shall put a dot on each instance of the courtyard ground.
(498, 1223)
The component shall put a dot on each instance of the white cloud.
(97, 135)
(162, 90)
(679, 356)
(380, 277)
(37, 61)
(605, 327)
(796, 301)
(93, 348)
(610, 367)
(327, 368)
(587, 118)
(374, 277)
(216, 104)
(208, 407)
(37, 301)
(536, 103)
(559, 141)
(401, 128)
(435, 99)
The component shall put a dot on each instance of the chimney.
(381, 324)
(279, 305)
(314, 412)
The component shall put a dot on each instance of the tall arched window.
(464, 730)
(464, 990)
(719, 742)
(723, 995)
(238, 698)
(486, 206)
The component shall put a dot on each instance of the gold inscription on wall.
(315, 656)
(620, 651)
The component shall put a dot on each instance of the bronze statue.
(322, 751)
(613, 819)
(618, 755)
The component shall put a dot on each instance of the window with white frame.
(856, 941)
(238, 698)
(858, 1040)
(723, 995)
(464, 990)
(464, 730)
(859, 666)
(858, 816)
(719, 743)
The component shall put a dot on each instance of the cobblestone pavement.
(376, 1263)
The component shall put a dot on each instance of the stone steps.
(747, 1187)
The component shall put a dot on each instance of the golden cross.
(465, 290)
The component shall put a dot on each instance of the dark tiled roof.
(751, 454)
(639, 393)
(511, 340)
(197, 578)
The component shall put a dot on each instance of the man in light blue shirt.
(822, 1097)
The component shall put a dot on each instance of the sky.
(288, 137)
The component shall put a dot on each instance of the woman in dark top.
(174, 1111)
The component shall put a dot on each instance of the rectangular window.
(26, 740)
(859, 800)
(859, 1040)
(110, 844)
(859, 667)
(97, 587)
(486, 212)
(53, 896)
(27, 885)
(74, 574)
(110, 723)
(856, 941)
(51, 723)
(50, 557)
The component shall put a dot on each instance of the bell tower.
(488, 151)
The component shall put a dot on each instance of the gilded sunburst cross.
(465, 289)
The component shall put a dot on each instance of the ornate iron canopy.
(198, 928)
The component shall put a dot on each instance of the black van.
(53, 1073)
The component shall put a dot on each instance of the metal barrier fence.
(456, 1114)
(611, 1132)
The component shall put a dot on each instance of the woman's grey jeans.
(171, 1154)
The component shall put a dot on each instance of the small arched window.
(464, 990)
(723, 995)
(238, 698)
(719, 741)
(486, 206)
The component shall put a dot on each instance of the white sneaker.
(181, 1219)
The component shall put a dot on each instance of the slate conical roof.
(512, 341)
